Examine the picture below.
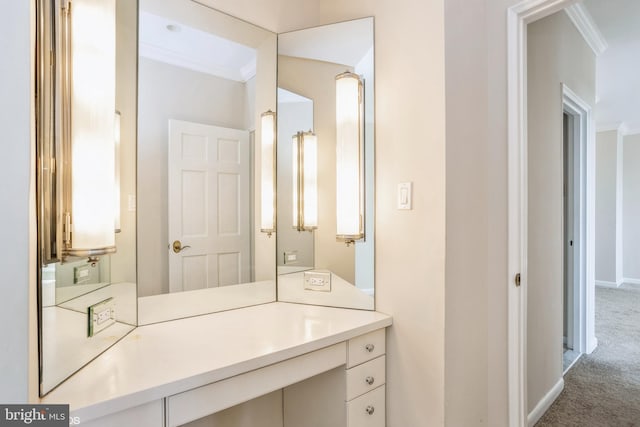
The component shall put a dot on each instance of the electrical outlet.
(317, 280)
(101, 316)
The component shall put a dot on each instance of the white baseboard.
(545, 403)
(631, 281)
(606, 284)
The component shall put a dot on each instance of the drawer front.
(367, 410)
(366, 377)
(366, 347)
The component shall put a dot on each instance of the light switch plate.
(405, 195)
(290, 257)
(81, 274)
(101, 315)
(317, 280)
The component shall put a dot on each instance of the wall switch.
(405, 195)
(101, 316)
(317, 280)
(131, 202)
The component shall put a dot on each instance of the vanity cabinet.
(340, 385)
(327, 363)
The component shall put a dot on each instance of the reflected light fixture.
(305, 181)
(88, 146)
(349, 156)
(268, 192)
(117, 134)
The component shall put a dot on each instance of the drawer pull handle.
(369, 347)
(370, 410)
(369, 380)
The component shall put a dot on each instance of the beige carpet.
(603, 388)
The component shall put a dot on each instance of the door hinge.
(517, 279)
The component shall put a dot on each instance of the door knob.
(177, 246)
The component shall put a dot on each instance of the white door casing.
(209, 196)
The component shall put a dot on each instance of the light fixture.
(349, 168)
(305, 181)
(268, 193)
(78, 162)
(116, 190)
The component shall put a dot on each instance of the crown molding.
(608, 127)
(587, 27)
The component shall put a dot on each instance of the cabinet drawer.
(364, 378)
(367, 410)
(366, 347)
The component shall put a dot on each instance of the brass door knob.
(177, 246)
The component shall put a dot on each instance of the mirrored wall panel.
(325, 168)
(88, 295)
(205, 79)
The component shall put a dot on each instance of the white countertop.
(163, 359)
(342, 294)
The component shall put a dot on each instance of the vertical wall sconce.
(89, 94)
(268, 144)
(116, 190)
(349, 168)
(305, 181)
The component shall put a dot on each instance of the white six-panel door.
(209, 197)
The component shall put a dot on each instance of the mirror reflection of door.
(198, 76)
(209, 198)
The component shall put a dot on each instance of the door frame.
(518, 17)
(583, 169)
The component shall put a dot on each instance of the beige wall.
(316, 80)
(557, 54)
(467, 258)
(631, 208)
(606, 204)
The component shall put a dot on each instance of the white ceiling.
(345, 43)
(167, 40)
(617, 69)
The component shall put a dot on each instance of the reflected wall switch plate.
(290, 257)
(405, 195)
(100, 316)
(317, 280)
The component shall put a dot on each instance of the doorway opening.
(571, 350)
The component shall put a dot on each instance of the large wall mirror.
(326, 155)
(87, 303)
(204, 79)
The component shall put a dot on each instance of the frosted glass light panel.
(342, 119)
(349, 177)
(267, 184)
(93, 92)
(305, 181)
